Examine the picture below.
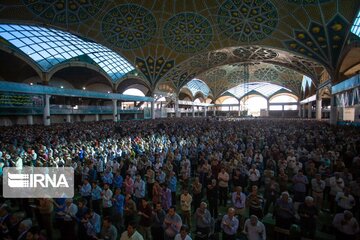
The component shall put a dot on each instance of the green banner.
(20, 100)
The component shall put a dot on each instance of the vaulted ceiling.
(172, 41)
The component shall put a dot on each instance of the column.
(239, 110)
(214, 110)
(115, 110)
(97, 117)
(68, 118)
(318, 106)
(177, 113)
(309, 109)
(282, 111)
(333, 110)
(152, 110)
(135, 116)
(205, 111)
(303, 111)
(299, 109)
(118, 112)
(268, 108)
(193, 110)
(46, 116)
(30, 119)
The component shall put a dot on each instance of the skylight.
(197, 85)
(49, 47)
(263, 88)
(356, 26)
(305, 82)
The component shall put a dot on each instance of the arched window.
(283, 99)
(254, 104)
(134, 92)
(230, 100)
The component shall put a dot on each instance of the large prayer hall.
(179, 119)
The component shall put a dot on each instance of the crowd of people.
(186, 178)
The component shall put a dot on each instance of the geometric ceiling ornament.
(284, 69)
(63, 12)
(187, 32)
(248, 20)
(337, 29)
(129, 26)
(216, 58)
(215, 75)
(209, 60)
(323, 44)
(236, 76)
(266, 75)
(254, 53)
(154, 68)
(306, 2)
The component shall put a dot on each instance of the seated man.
(254, 229)
(229, 225)
(92, 223)
(284, 212)
(183, 235)
(346, 225)
(108, 230)
(308, 214)
(131, 233)
(203, 219)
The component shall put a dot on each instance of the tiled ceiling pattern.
(197, 35)
(222, 78)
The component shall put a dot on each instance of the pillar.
(118, 112)
(299, 109)
(115, 110)
(30, 119)
(177, 113)
(239, 110)
(68, 118)
(303, 110)
(135, 116)
(205, 111)
(214, 111)
(193, 110)
(309, 110)
(268, 108)
(46, 116)
(318, 106)
(97, 117)
(282, 110)
(333, 111)
(152, 110)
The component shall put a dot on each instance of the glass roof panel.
(356, 26)
(265, 89)
(49, 47)
(197, 85)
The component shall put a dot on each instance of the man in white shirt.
(336, 185)
(318, 186)
(183, 235)
(223, 178)
(131, 233)
(254, 229)
(344, 200)
(254, 175)
(346, 225)
(107, 200)
(185, 203)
